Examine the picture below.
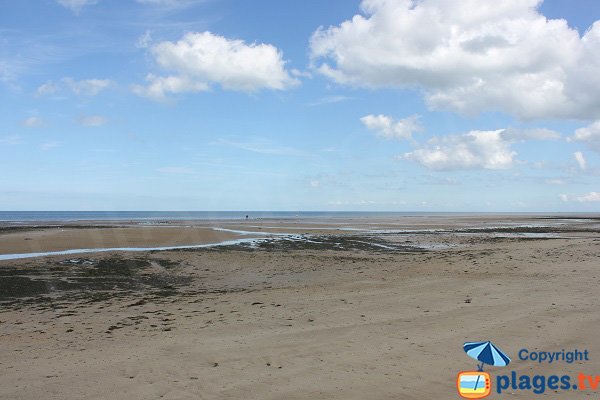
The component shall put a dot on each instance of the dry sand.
(336, 317)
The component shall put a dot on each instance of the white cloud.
(76, 5)
(580, 160)
(586, 198)
(87, 87)
(388, 128)
(314, 183)
(92, 120)
(590, 135)
(33, 122)
(46, 89)
(467, 57)
(555, 182)
(472, 150)
(592, 196)
(200, 59)
(530, 134)
(84, 87)
(301, 74)
(159, 86)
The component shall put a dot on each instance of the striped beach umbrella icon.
(486, 353)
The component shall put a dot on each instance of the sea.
(65, 216)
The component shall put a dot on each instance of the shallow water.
(102, 250)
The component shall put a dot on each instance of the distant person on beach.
(246, 217)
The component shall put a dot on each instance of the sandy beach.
(326, 309)
(295, 200)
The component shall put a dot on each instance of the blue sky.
(300, 105)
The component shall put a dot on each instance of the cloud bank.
(467, 58)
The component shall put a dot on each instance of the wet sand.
(53, 237)
(378, 311)
(46, 239)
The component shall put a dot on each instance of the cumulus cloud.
(388, 128)
(589, 135)
(580, 160)
(33, 122)
(92, 120)
(472, 150)
(158, 86)
(76, 5)
(84, 87)
(199, 60)
(467, 57)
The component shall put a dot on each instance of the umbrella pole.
(480, 367)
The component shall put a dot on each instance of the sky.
(374, 105)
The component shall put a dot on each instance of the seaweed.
(117, 266)
(87, 280)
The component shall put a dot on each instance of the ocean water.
(29, 216)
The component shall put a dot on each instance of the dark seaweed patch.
(20, 286)
(117, 266)
(166, 263)
(91, 281)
